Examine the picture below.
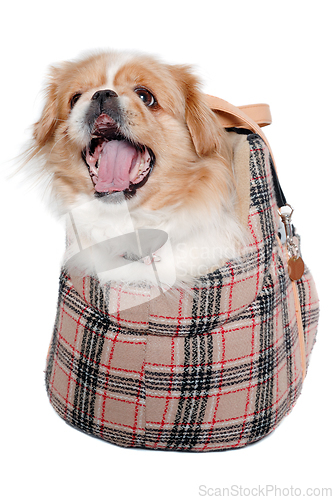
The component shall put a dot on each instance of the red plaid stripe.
(214, 369)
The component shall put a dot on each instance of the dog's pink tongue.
(116, 160)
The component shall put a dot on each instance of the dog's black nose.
(104, 95)
(104, 102)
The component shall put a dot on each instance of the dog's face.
(117, 123)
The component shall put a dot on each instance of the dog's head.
(118, 123)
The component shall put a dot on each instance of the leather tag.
(295, 268)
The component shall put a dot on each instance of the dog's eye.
(146, 97)
(74, 99)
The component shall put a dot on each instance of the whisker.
(57, 142)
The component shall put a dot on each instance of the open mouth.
(116, 164)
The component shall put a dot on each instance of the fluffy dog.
(130, 144)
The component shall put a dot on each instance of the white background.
(246, 52)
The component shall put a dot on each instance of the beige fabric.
(241, 158)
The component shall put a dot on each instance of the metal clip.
(286, 219)
(285, 213)
(295, 262)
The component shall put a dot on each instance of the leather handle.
(252, 117)
(260, 113)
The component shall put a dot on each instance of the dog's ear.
(44, 128)
(201, 121)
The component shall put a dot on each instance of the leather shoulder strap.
(242, 116)
(260, 113)
(252, 117)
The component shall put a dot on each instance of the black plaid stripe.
(71, 299)
(198, 357)
(261, 196)
(194, 391)
(96, 296)
(288, 334)
(310, 314)
(88, 372)
(205, 308)
(302, 301)
(52, 350)
(263, 419)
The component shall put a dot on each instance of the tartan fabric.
(209, 369)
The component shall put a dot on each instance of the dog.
(131, 149)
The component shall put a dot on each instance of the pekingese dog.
(132, 149)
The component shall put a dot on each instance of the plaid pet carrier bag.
(214, 368)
